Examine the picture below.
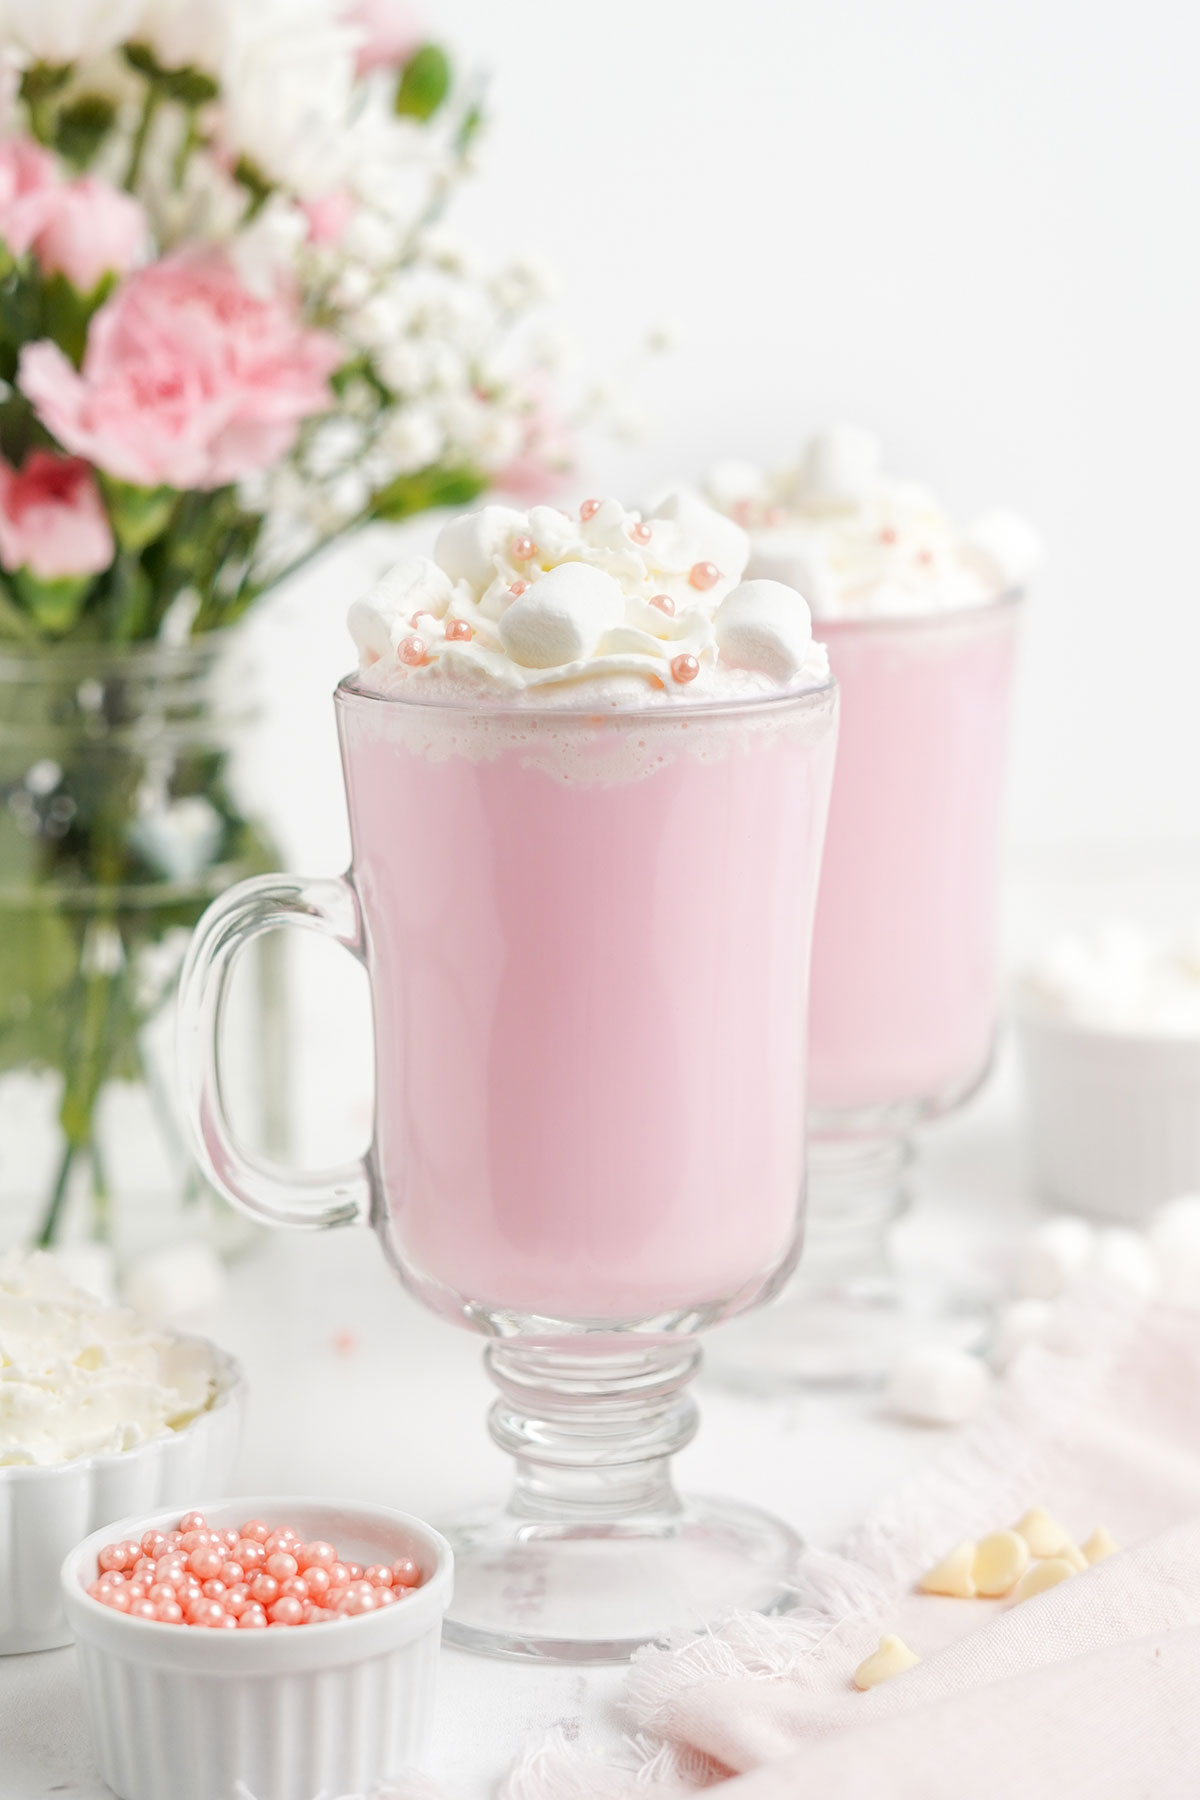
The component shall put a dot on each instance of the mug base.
(596, 1591)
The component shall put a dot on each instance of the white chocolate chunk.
(954, 1575)
(1004, 547)
(841, 467)
(766, 627)
(1044, 1535)
(1052, 1256)
(1001, 1559)
(562, 616)
(892, 1658)
(935, 1384)
(1070, 1552)
(1100, 1545)
(467, 547)
(1040, 1576)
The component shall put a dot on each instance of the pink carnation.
(189, 380)
(52, 519)
(91, 230)
(387, 30)
(28, 180)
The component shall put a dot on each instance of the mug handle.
(312, 1201)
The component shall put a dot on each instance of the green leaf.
(138, 515)
(43, 80)
(82, 126)
(66, 313)
(130, 600)
(14, 623)
(191, 87)
(424, 83)
(53, 605)
(409, 494)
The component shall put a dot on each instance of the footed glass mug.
(587, 939)
(905, 982)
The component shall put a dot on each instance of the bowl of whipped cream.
(102, 1414)
(1109, 1024)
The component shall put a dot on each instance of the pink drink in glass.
(904, 961)
(588, 943)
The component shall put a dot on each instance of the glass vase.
(120, 820)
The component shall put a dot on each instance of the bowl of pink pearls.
(203, 1666)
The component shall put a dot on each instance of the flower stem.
(49, 1226)
(141, 136)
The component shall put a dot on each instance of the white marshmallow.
(1003, 547)
(731, 482)
(1174, 1236)
(381, 618)
(467, 547)
(562, 616)
(840, 467)
(1020, 1323)
(1052, 1256)
(766, 627)
(181, 1282)
(936, 1384)
(704, 535)
(1125, 1258)
(794, 557)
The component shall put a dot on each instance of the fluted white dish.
(288, 1714)
(1114, 1116)
(46, 1509)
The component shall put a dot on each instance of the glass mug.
(587, 940)
(905, 980)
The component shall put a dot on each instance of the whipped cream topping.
(78, 1377)
(856, 542)
(608, 606)
(1119, 978)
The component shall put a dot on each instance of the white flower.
(334, 443)
(412, 439)
(186, 34)
(287, 83)
(267, 249)
(66, 31)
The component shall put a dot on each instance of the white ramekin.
(181, 1713)
(47, 1509)
(1115, 1116)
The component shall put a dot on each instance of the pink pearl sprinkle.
(253, 1619)
(265, 1589)
(684, 669)
(154, 1544)
(205, 1563)
(358, 1601)
(523, 548)
(281, 1565)
(119, 1599)
(704, 575)
(169, 1612)
(287, 1610)
(112, 1557)
(354, 1571)
(316, 1579)
(214, 1590)
(143, 1609)
(518, 587)
(379, 1575)
(664, 603)
(925, 556)
(640, 533)
(318, 1552)
(256, 1531)
(459, 631)
(193, 1521)
(231, 1573)
(339, 1574)
(295, 1587)
(411, 650)
(250, 1554)
(589, 509)
(405, 1572)
(888, 534)
(161, 1591)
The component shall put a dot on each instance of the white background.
(969, 223)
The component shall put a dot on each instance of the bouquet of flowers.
(232, 328)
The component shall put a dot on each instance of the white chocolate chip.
(1000, 1561)
(1044, 1535)
(892, 1658)
(954, 1575)
(936, 1384)
(1070, 1552)
(765, 627)
(1099, 1545)
(561, 617)
(1040, 1576)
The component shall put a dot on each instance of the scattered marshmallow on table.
(765, 627)
(936, 1384)
(561, 617)
(893, 1657)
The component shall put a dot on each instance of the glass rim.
(347, 692)
(1009, 600)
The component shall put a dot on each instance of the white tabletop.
(356, 1392)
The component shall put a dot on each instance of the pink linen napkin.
(1090, 1689)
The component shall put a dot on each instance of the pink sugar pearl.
(287, 1610)
(411, 651)
(318, 1553)
(458, 631)
(191, 1541)
(249, 1553)
(265, 1589)
(214, 1590)
(154, 1544)
(256, 1531)
(357, 1601)
(379, 1575)
(237, 1599)
(316, 1580)
(282, 1538)
(405, 1572)
(664, 603)
(205, 1563)
(704, 575)
(160, 1591)
(112, 1557)
(518, 587)
(684, 669)
(589, 509)
(169, 1612)
(523, 548)
(281, 1565)
(119, 1599)
(193, 1521)
(253, 1619)
(231, 1572)
(354, 1571)
(294, 1587)
(339, 1574)
(640, 533)
(143, 1609)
